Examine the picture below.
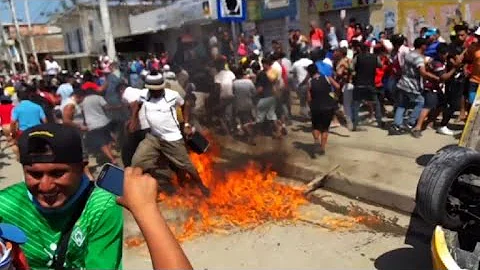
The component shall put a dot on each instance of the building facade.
(83, 33)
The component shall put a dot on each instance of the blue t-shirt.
(65, 90)
(28, 114)
(324, 68)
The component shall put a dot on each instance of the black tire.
(436, 181)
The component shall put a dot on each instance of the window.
(80, 40)
(90, 27)
(68, 43)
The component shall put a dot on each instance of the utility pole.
(9, 52)
(19, 36)
(107, 29)
(32, 39)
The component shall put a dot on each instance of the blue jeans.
(404, 101)
(356, 111)
(472, 92)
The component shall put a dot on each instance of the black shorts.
(321, 119)
(245, 117)
(99, 137)
(431, 100)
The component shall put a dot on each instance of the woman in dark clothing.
(322, 105)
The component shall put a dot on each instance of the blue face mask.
(71, 201)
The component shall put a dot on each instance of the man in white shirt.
(135, 134)
(51, 66)
(224, 80)
(300, 75)
(163, 148)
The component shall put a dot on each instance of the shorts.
(266, 109)
(472, 92)
(245, 117)
(407, 100)
(97, 138)
(322, 119)
(431, 100)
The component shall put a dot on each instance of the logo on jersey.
(78, 237)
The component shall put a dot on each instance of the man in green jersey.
(54, 193)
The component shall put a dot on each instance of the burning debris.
(239, 199)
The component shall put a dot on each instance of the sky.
(40, 10)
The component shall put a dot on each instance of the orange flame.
(239, 199)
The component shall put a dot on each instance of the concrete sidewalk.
(372, 166)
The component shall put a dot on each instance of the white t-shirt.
(52, 68)
(134, 94)
(225, 78)
(299, 70)
(162, 117)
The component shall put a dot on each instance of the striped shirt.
(96, 239)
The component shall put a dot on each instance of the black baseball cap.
(50, 143)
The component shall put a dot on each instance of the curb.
(365, 190)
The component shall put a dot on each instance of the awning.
(74, 56)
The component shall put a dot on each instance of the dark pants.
(158, 157)
(132, 140)
(453, 97)
(368, 94)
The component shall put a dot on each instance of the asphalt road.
(313, 243)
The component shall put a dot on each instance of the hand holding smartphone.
(111, 179)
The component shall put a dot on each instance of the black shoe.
(417, 133)
(407, 126)
(381, 125)
(395, 130)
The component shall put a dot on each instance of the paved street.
(326, 236)
(306, 246)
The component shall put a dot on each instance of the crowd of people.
(144, 110)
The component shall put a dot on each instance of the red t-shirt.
(317, 38)
(6, 113)
(90, 85)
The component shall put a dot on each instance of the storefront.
(323, 10)
(162, 29)
(272, 18)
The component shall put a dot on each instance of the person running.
(322, 105)
(72, 115)
(409, 87)
(433, 89)
(69, 223)
(26, 115)
(99, 135)
(244, 92)
(164, 147)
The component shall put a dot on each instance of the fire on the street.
(239, 199)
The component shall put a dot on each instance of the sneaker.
(395, 130)
(408, 126)
(349, 124)
(381, 125)
(445, 131)
(359, 129)
(417, 133)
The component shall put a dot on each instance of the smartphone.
(110, 179)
